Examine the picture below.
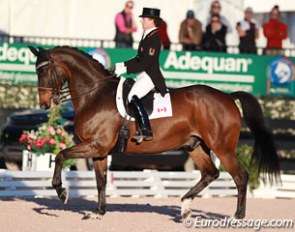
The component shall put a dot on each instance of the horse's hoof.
(185, 208)
(239, 215)
(94, 215)
(101, 211)
(186, 214)
(64, 196)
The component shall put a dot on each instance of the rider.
(146, 65)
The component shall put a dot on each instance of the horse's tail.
(264, 155)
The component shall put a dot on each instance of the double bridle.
(55, 81)
(62, 94)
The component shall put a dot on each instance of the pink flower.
(59, 131)
(52, 141)
(62, 146)
(51, 130)
(40, 143)
(29, 147)
(23, 138)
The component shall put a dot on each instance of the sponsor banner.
(259, 75)
(281, 76)
(17, 64)
(223, 71)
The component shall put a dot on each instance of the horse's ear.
(34, 51)
(41, 49)
(44, 53)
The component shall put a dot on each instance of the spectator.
(214, 37)
(248, 33)
(162, 30)
(125, 26)
(190, 33)
(215, 8)
(4, 37)
(275, 32)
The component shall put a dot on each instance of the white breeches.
(142, 86)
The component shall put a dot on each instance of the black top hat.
(150, 13)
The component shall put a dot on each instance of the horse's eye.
(42, 71)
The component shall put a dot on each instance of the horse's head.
(50, 81)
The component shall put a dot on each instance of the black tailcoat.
(147, 59)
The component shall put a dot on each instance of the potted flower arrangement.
(50, 138)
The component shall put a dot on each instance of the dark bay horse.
(203, 119)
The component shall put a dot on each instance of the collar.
(146, 32)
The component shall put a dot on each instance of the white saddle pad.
(162, 105)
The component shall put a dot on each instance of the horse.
(204, 119)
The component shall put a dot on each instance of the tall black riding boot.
(142, 119)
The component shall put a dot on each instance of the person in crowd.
(125, 26)
(275, 32)
(4, 37)
(214, 36)
(162, 30)
(190, 33)
(248, 32)
(215, 8)
(146, 65)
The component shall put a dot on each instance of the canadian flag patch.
(162, 109)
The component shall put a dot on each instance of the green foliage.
(17, 96)
(278, 107)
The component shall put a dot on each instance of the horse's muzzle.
(44, 106)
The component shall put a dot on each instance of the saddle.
(147, 100)
(157, 106)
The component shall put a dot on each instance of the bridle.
(62, 94)
(55, 81)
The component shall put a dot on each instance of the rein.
(63, 93)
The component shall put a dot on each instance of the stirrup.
(138, 137)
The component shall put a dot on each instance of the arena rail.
(289, 50)
(133, 184)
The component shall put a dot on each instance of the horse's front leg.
(81, 150)
(56, 180)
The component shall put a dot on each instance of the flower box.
(41, 146)
(32, 162)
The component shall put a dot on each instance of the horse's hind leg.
(240, 177)
(209, 173)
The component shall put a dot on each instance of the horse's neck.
(91, 91)
(84, 78)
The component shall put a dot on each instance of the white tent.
(266, 5)
(94, 19)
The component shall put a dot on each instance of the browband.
(44, 63)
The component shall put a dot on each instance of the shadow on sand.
(83, 206)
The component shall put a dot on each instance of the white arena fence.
(133, 184)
